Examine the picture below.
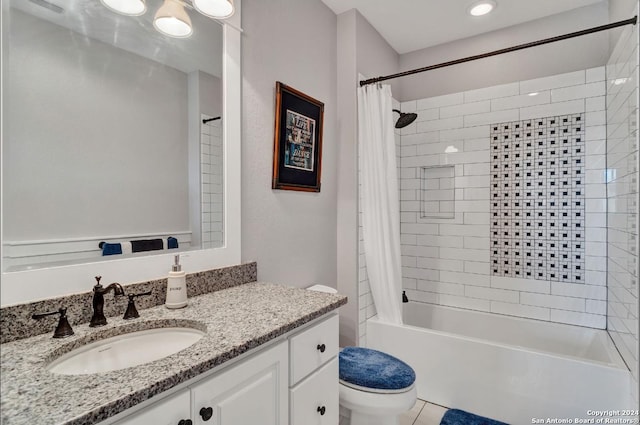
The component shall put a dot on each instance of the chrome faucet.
(98, 318)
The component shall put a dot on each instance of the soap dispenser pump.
(176, 286)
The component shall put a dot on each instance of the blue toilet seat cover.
(374, 369)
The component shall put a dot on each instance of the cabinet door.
(252, 392)
(314, 401)
(312, 348)
(169, 411)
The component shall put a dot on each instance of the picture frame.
(297, 146)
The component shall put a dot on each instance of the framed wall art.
(297, 146)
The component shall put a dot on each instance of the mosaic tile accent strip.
(537, 199)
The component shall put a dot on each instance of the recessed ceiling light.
(482, 7)
(126, 7)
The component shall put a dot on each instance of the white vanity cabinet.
(254, 392)
(313, 378)
(294, 382)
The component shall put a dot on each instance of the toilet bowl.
(375, 388)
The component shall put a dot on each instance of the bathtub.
(507, 368)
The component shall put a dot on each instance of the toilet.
(375, 387)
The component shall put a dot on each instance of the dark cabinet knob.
(206, 413)
(321, 410)
(321, 348)
(185, 422)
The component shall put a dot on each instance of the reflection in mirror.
(105, 133)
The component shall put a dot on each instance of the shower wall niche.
(556, 215)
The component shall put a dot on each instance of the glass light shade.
(172, 20)
(215, 8)
(126, 7)
(482, 8)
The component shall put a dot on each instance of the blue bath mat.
(460, 417)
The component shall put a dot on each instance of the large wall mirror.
(115, 144)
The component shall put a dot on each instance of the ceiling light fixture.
(219, 9)
(126, 7)
(482, 7)
(172, 20)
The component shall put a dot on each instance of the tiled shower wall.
(212, 185)
(622, 190)
(447, 261)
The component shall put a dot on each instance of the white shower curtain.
(380, 203)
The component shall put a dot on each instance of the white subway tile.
(475, 181)
(472, 206)
(595, 248)
(423, 274)
(465, 109)
(553, 109)
(519, 310)
(595, 118)
(595, 147)
(596, 234)
(428, 114)
(477, 267)
(480, 144)
(596, 307)
(592, 292)
(407, 239)
(554, 81)
(408, 106)
(419, 229)
(440, 287)
(596, 74)
(465, 254)
(423, 297)
(465, 278)
(480, 169)
(492, 92)
(445, 241)
(474, 194)
(595, 191)
(596, 104)
(491, 117)
(420, 251)
(438, 101)
(552, 301)
(409, 283)
(420, 138)
(408, 261)
(474, 217)
(492, 294)
(518, 284)
(471, 242)
(440, 264)
(465, 133)
(581, 319)
(596, 132)
(595, 220)
(578, 92)
(464, 302)
(593, 277)
(521, 101)
(442, 124)
(464, 230)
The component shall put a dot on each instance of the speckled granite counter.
(236, 320)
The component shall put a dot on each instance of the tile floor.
(423, 413)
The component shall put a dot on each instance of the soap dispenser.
(176, 286)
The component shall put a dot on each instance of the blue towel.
(460, 417)
(374, 369)
(110, 248)
(172, 242)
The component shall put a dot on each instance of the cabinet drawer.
(315, 395)
(312, 348)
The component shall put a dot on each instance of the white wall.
(84, 167)
(447, 261)
(361, 51)
(622, 193)
(292, 235)
(569, 55)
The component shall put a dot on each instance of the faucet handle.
(132, 311)
(97, 285)
(63, 329)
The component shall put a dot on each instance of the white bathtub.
(511, 369)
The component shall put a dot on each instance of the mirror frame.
(48, 282)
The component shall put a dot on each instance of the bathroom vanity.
(268, 356)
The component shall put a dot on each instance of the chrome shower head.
(405, 118)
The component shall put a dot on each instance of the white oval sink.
(126, 350)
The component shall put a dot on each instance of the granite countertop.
(235, 320)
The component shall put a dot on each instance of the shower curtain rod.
(630, 21)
